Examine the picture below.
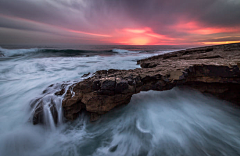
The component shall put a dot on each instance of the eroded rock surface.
(213, 70)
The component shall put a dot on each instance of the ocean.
(168, 123)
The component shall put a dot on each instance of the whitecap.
(14, 52)
(124, 51)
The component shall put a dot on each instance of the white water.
(171, 123)
(12, 52)
(124, 51)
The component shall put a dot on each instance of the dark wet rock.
(1, 54)
(38, 105)
(213, 70)
(61, 92)
(53, 87)
(51, 97)
(86, 75)
(113, 148)
(94, 116)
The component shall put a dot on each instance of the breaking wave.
(124, 51)
(60, 52)
(16, 52)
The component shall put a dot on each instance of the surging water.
(169, 123)
(172, 123)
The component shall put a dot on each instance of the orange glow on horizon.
(222, 42)
(146, 31)
(141, 36)
(139, 41)
(136, 41)
(146, 36)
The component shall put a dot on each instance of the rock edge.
(213, 69)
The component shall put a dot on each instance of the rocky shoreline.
(213, 69)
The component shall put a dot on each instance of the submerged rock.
(86, 75)
(40, 114)
(213, 70)
(47, 107)
(1, 54)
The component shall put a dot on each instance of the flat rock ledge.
(213, 69)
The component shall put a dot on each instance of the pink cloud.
(197, 28)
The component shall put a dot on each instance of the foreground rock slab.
(213, 70)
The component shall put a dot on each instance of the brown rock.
(208, 69)
(213, 70)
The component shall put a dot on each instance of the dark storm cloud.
(45, 11)
(35, 10)
(21, 25)
(212, 12)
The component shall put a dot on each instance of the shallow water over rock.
(169, 123)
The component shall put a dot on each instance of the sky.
(119, 22)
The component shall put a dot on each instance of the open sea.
(168, 123)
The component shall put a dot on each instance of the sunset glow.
(140, 36)
(137, 31)
(137, 41)
(225, 42)
(123, 23)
